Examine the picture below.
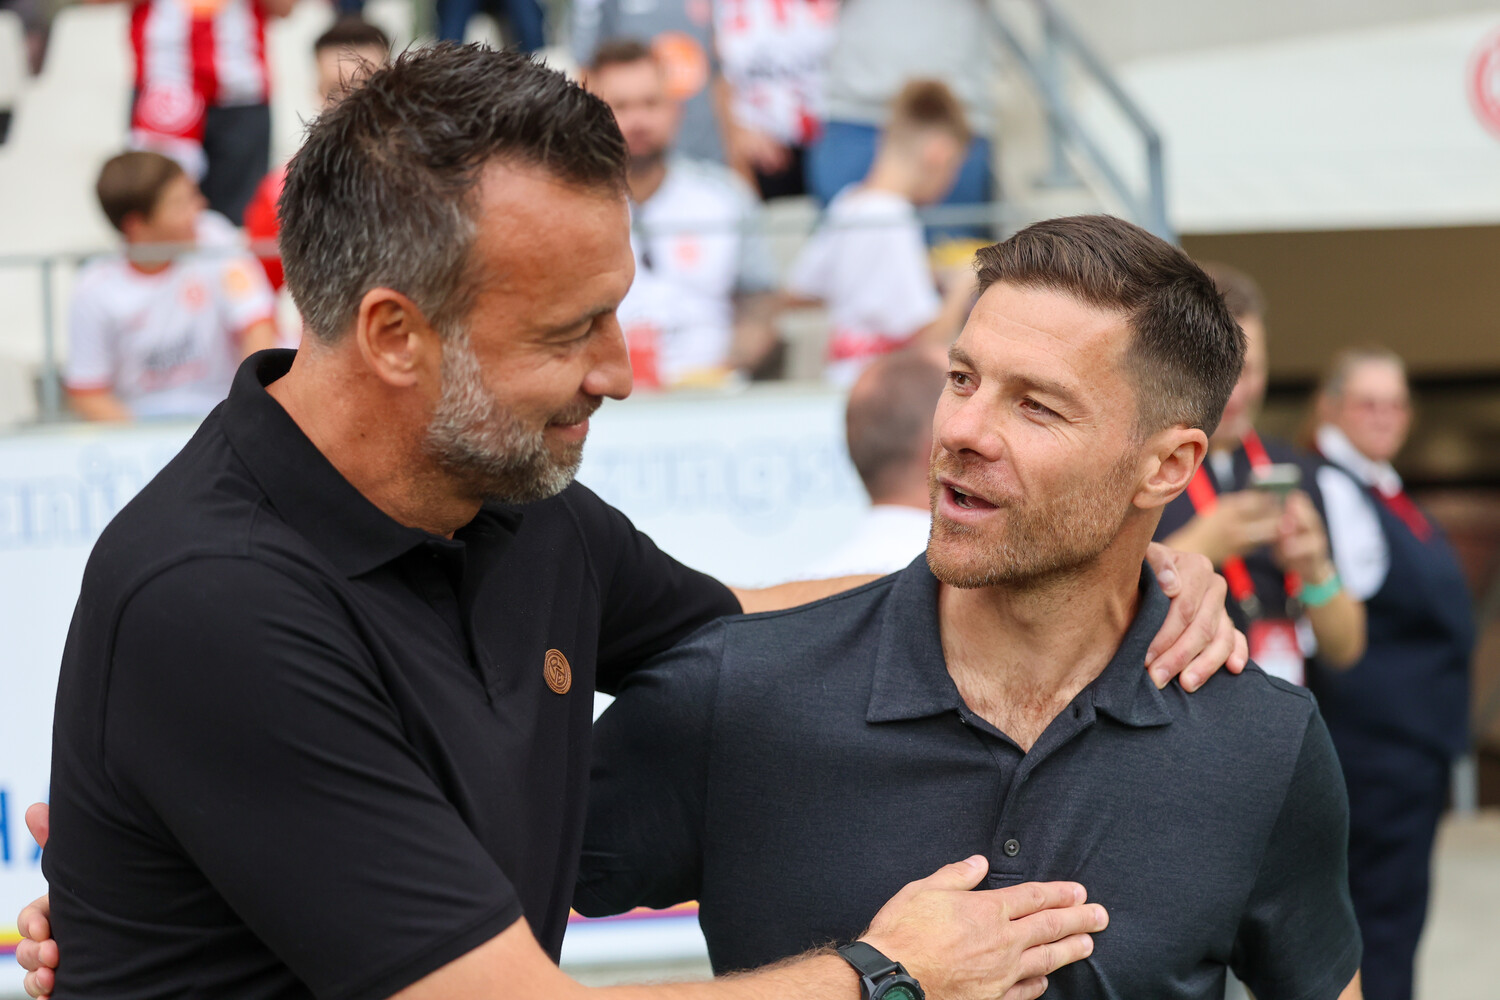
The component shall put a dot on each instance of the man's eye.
(1032, 406)
(960, 380)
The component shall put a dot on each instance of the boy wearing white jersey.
(695, 232)
(868, 261)
(160, 338)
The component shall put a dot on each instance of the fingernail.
(1191, 682)
(1167, 578)
(1160, 679)
(1101, 917)
(1080, 894)
(1150, 656)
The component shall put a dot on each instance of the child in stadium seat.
(160, 337)
(868, 261)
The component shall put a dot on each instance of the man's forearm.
(790, 595)
(98, 404)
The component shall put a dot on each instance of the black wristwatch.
(879, 977)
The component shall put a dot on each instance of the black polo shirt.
(301, 749)
(793, 770)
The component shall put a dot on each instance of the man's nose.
(969, 426)
(609, 371)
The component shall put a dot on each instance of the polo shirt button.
(1012, 848)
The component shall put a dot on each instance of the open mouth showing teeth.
(968, 501)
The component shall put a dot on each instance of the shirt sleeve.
(244, 721)
(1358, 545)
(642, 843)
(92, 347)
(1297, 938)
(245, 296)
(651, 601)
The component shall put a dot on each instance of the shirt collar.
(1124, 690)
(1334, 445)
(304, 487)
(911, 679)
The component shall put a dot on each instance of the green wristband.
(1319, 594)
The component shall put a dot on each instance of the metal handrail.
(1000, 218)
(1044, 69)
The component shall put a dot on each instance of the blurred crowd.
(862, 110)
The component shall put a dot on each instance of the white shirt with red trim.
(191, 55)
(868, 263)
(772, 53)
(697, 244)
(166, 344)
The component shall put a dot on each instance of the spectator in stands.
(162, 337)
(681, 36)
(868, 262)
(345, 54)
(773, 54)
(524, 19)
(203, 91)
(703, 303)
(880, 45)
(1400, 716)
(888, 421)
(1294, 593)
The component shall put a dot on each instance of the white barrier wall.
(749, 487)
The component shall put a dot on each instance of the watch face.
(899, 990)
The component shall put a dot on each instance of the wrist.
(880, 976)
(1318, 591)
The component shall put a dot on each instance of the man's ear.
(1172, 456)
(395, 340)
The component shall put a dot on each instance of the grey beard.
(484, 445)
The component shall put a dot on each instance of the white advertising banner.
(749, 487)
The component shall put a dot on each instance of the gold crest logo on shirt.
(558, 674)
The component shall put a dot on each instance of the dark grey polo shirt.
(792, 770)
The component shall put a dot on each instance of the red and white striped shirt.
(191, 55)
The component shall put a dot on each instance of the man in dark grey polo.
(790, 770)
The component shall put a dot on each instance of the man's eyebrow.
(1049, 387)
(959, 357)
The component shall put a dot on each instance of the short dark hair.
(381, 194)
(351, 31)
(133, 182)
(888, 420)
(620, 52)
(928, 105)
(1186, 349)
(1241, 294)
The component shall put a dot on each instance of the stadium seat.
(73, 118)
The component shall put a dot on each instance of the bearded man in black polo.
(789, 770)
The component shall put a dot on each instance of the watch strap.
(868, 961)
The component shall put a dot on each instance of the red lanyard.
(1205, 498)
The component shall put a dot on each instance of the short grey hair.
(381, 193)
